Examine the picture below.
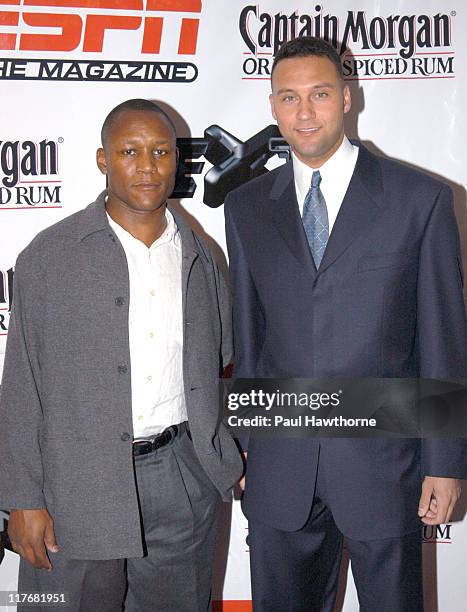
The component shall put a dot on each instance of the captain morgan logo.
(30, 174)
(395, 46)
(73, 28)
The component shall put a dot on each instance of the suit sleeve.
(441, 326)
(248, 319)
(21, 473)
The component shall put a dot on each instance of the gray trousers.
(179, 508)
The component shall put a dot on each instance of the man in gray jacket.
(113, 458)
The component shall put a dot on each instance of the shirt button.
(140, 418)
(119, 301)
(151, 334)
(125, 437)
(122, 369)
(153, 293)
(149, 378)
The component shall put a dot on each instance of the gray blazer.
(65, 403)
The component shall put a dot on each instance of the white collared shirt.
(155, 329)
(336, 173)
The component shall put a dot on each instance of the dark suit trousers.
(179, 507)
(298, 571)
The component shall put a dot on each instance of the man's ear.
(347, 99)
(100, 159)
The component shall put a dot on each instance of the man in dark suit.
(343, 264)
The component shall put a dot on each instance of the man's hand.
(241, 482)
(438, 498)
(31, 534)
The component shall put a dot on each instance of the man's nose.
(147, 162)
(306, 110)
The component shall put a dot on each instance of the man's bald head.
(136, 104)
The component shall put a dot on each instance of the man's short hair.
(308, 46)
(136, 104)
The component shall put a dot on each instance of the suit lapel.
(361, 205)
(286, 217)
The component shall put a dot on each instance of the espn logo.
(82, 24)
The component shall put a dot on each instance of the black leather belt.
(143, 447)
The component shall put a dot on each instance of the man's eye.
(322, 94)
(129, 152)
(288, 98)
(160, 152)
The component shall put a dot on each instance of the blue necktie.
(315, 219)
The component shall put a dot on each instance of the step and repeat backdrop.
(64, 64)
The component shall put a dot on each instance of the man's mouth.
(309, 130)
(148, 186)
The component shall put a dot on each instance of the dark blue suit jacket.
(386, 302)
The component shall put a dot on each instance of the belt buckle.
(142, 447)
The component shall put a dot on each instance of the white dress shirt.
(155, 329)
(336, 173)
